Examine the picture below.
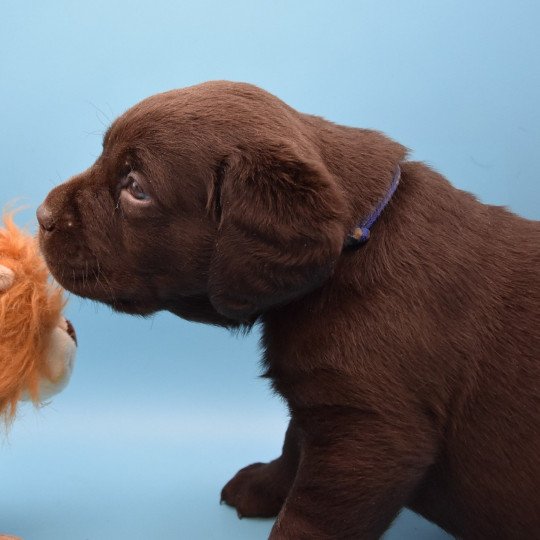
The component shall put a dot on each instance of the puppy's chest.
(321, 367)
(333, 361)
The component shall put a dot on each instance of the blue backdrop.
(160, 412)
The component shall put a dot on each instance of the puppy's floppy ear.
(280, 232)
(6, 278)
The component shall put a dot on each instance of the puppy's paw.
(258, 490)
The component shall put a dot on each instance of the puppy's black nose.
(45, 218)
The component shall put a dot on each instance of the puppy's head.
(210, 201)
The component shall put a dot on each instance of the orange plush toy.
(37, 344)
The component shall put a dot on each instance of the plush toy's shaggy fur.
(29, 312)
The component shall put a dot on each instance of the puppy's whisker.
(110, 289)
(105, 286)
(93, 133)
(110, 109)
(100, 115)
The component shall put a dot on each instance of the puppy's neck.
(363, 163)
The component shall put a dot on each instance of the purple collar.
(360, 234)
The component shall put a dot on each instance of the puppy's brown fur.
(410, 366)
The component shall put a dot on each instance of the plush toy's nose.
(45, 218)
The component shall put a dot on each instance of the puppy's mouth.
(81, 282)
(96, 286)
(130, 306)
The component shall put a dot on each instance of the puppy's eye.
(134, 188)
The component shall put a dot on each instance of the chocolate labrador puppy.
(409, 362)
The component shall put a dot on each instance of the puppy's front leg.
(260, 489)
(355, 474)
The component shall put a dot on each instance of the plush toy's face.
(60, 352)
(60, 359)
(37, 344)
